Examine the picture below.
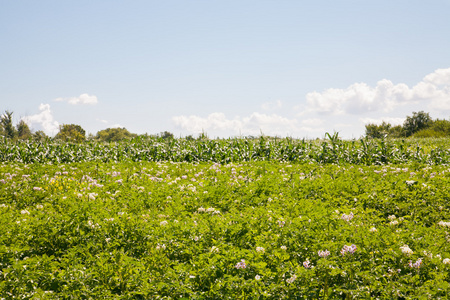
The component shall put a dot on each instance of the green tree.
(166, 135)
(40, 136)
(7, 125)
(439, 128)
(418, 121)
(384, 129)
(396, 131)
(114, 134)
(71, 133)
(378, 131)
(23, 131)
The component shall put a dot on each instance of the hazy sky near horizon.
(227, 68)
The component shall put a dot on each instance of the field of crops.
(229, 219)
(330, 150)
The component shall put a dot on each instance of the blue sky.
(228, 68)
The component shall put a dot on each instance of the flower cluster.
(348, 217)
(291, 280)
(324, 253)
(306, 264)
(410, 182)
(348, 249)
(405, 249)
(416, 265)
(260, 249)
(241, 264)
(93, 225)
(160, 247)
(444, 224)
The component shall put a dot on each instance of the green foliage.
(40, 136)
(439, 128)
(152, 230)
(419, 125)
(114, 134)
(418, 121)
(166, 135)
(23, 131)
(330, 151)
(7, 125)
(378, 131)
(71, 133)
(396, 131)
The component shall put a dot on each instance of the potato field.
(225, 219)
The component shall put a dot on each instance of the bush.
(23, 131)
(419, 121)
(114, 134)
(439, 128)
(71, 133)
(385, 129)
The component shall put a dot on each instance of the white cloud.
(215, 121)
(378, 121)
(312, 122)
(268, 106)
(106, 122)
(44, 119)
(359, 98)
(82, 99)
(251, 125)
(439, 77)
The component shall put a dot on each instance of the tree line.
(66, 133)
(419, 125)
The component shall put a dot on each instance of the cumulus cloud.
(434, 90)
(215, 121)
(439, 77)
(378, 121)
(82, 99)
(44, 120)
(312, 122)
(251, 125)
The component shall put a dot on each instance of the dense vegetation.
(158, 217)
(257, 230)
(419, 125)
(332, 150)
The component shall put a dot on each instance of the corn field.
(152, 149)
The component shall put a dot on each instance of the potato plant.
(244, 230)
